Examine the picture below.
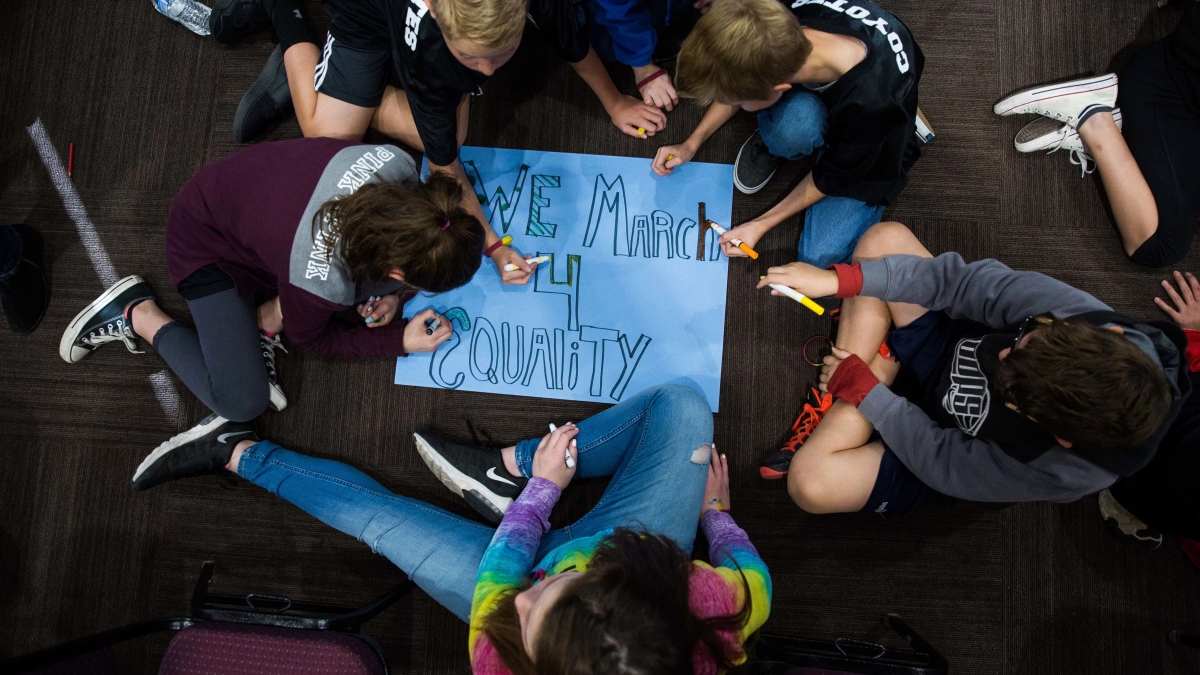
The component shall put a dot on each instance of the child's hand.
(378, 310)
(811, 281)
(679, 155)
(1186, 312)
(415, 339)
(716, 492)
(630, 114)
(749, 232)
(550, 460)
(506, 256)
(658, 92)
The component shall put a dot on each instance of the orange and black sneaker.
(775, 466)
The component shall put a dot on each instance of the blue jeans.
(794, 128)
(655, 445)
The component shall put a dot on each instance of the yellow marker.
(798, 297)
(510, 267)
(735, 241)
(670, 157)
(641, 131)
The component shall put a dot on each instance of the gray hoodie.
(954, 462)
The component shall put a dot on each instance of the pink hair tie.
(446, 226)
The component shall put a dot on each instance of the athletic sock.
(291, 25)
(1089, 111)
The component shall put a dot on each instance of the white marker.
(799, 297)
(570, 459)
(511, 267)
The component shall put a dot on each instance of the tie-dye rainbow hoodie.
(715, 591)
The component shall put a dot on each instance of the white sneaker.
(1067, 102)
(1047, 134)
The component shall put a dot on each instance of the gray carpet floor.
(1036, 588)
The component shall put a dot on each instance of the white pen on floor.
(570, 459)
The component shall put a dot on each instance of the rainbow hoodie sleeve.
(509, 558)
(733, 556)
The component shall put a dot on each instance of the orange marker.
(736, 242)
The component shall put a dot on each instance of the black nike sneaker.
(755, 165)
(203, 449)
(268, 344)
(235, 20)
(105, 320)
(267, 100)
(475, 474)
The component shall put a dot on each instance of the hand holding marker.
(798, 297)
(570, 459)
(735, 241)
(540, 259)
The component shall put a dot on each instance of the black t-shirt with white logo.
(871, 141)
(433, 80)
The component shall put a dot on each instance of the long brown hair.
(627, 614)
(1086, 385)
(419, 228)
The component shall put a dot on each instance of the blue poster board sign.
(624, 304)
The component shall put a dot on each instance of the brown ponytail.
(628, 614)
(419, 228)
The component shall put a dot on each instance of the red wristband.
(487, 252)
(850, 279)
(650, 79)
(1193, 349)
(852, 381)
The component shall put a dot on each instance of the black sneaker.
(105, 320)
(25, 295)
(203, 449)
(268, 344)
(475, 474)
(755, 165)
(1126, 527)
(235, 20)
(267, 100)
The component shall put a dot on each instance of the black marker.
(432, 325)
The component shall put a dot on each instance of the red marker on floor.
(70, 158)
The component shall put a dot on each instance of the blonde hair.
(740, 50)
(491, 24)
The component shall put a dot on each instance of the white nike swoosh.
(222, 437)
(491, 473)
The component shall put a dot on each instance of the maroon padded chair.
(251, 634)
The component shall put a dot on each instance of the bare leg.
(835, 470)
(318, 114)
(148, 319)
(394, 118)
(270, 316)
(1133, 204)
(232, 464)
(510, 460)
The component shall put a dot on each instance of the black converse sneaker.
(475, 474)
(1126, 527)
(266, 101)
(105, 320)
(755, 165)
(268, 344)
(235, 20)
(203, 449)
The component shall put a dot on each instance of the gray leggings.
(221, 361)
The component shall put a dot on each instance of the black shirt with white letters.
(433, 80)
(871, 141)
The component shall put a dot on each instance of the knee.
(795, 127)
(686, 406)
(243, 403)
(809, 490)
(884, 239)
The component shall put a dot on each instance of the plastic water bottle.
(190, 13)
